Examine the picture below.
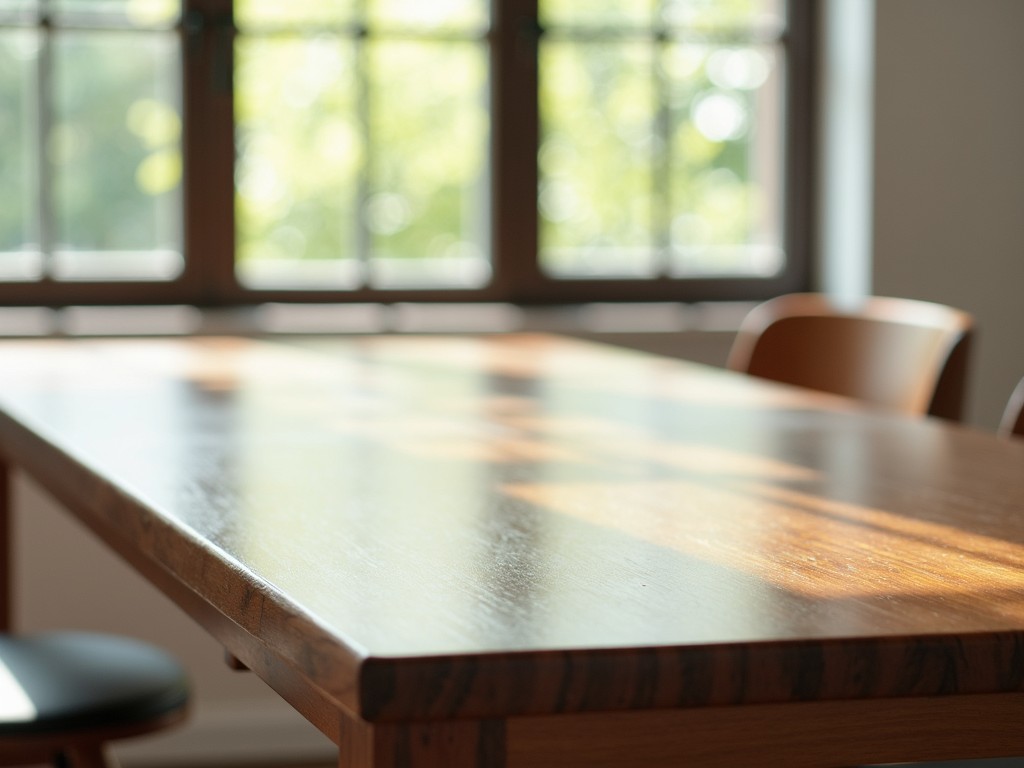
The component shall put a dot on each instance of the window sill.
(316, 319)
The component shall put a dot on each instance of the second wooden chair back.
(907, 355)
(1012, 424)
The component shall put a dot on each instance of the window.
(362, 133)
(524, 150)
(90, 143)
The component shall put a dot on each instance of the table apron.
(794, 735)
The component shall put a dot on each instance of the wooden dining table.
(520, 551)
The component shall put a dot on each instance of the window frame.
(208, 277)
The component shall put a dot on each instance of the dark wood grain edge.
(693, 676)
(316, 672)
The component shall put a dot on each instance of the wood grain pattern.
(409, 530)
(693, 676)
(452, 744)
(816, 735)
(229, 618)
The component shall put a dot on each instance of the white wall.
(949, 173)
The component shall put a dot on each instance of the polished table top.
(528, 524)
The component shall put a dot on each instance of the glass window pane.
(637, 13)
(726, 159)
(293, 13)
(428, 204)
(19, 257)
(596, 159)
(469, 15)
(115, 153)
(300, 153)
(753, 15)
(157, 14)
(18, 11)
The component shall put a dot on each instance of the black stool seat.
(64, 682)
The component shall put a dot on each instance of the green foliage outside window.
(92, 161)
(363, 137)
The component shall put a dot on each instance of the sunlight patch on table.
(809, 546)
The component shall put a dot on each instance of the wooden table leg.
(6, 544)
(450, 744)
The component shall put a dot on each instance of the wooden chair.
(907, 355)
(64, 695)
(1012, 423)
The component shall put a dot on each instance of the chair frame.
(945, 399)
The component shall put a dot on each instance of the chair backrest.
(1013, 417)
(897, 353)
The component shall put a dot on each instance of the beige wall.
(949, 173)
